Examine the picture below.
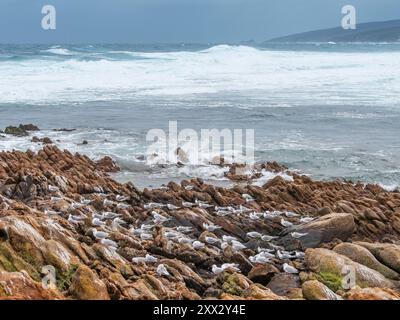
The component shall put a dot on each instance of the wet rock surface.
(288, 239)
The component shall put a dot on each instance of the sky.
(179, 21)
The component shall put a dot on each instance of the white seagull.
(99, 234)
(298, 235)
(162, 270)
(285, 223)
(210, 227)
(289, 269)
(254, 234)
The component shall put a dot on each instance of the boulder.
(87, 286)
(372, 294)
(332, 268)
(388, 254)
(322, 230)
(20, 286)
(285, 284)
(262, 273)
(315, 290)
(362, 255)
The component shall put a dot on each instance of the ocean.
(326, 110)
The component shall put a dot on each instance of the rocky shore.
(297, 239)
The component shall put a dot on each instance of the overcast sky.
(165, 21)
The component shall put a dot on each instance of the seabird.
(285, 223)
(146, 236)
(51, 212)
(153, 205)
(198, 245)
(306, 219)
(236, 245)
(158, 218)
(162, 270)
(150, 259)
(85, 201)
(268, 238)
(186, 204)
(123, 206)
(290, 214)
(107, 202)
(110, 215)
(212, 240)
(203, 205)
(55, 199)
(99, 234)
(224, 245)
(298, 235)
(172, 207)
(185, 240)
(256, 215)
(247, 197)
(53, 188)
(211, 227)
(97, 222)
(289, 269)
(229, 238)
(184, 229)
(259, 259)
(74, 220)
(109, 243)
(139, 260)
(254, 234)
(120, 198)
(217, 270)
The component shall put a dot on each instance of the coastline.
(51, 201)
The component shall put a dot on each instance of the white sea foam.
(282, 77)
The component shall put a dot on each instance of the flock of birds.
(103, 223)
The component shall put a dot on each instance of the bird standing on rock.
(268, 238)
(254, 234)
(210, 227)
(290, 214)
(285, 223)
(198, 245)
(158, 218)
(298, 235)
(162, 270)
(99, 234)
(289, 269)
(109, 243)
